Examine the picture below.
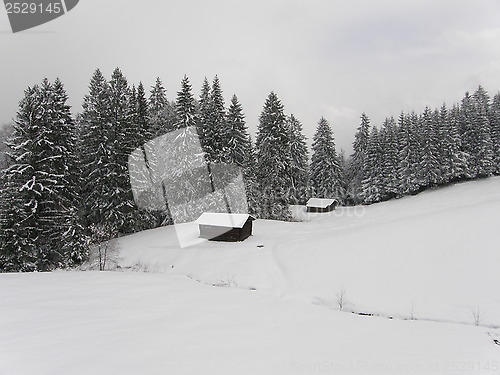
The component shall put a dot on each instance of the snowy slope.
(434, 257)
(80, 323)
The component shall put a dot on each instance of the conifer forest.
(65, 183)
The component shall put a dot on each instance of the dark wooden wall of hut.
(216, 233)
(321, 209)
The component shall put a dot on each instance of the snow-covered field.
(430, 262)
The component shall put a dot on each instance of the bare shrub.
(342, 298)
(476, 315)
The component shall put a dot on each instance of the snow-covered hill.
(434, 257)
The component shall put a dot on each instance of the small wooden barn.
(321, 205)
(225, 227)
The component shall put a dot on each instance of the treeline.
(65, 184)
(419, 151)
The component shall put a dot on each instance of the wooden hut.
(321, 205)
(225, 227)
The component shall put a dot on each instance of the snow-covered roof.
(320, 202)
(223, 219)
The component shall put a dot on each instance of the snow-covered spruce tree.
(390, 159)
(408, 153)
(145, 132)
(19, 204)
(185, 106)
(161, 113)
(417, 147)
(133, 104)
(357, 160)
(39, 223)
(205, 131)
(475, 133)
(299, 167)
(453, 161)
(162, 119)
(403, 135)
(371, 186)
(124, 142)
(344, 185)
(325, 178)
(140, 218)
(240, 149)
(6, 132)
(212, 127)
(219, 122)
(273, 161)
(439, 146)
(467, 134)
(429, 170)
(495, 131)
(188, 181)
(72, 232)
(444, 144)
(238, 138)
(485, 153)
(456, 153)
(251, 182)
(97, 143)
(157, 97)
(217, 143)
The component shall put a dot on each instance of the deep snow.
(434, 257)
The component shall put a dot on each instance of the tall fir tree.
(344, 184)
(124, 142)
(452, 159)
(299, 167)
(213, 125)
(371, 186)
(39, 223)
(408, 153)
(240, 150)
(140, 218)
(145, 132)
(444, 144)
(357, 160)
(218, 123)
(439, 141)
(72, 233)
(470, 134)
(390, 158)
(457, 157)
(185, 106)
(188, 179)
(238, 137)
(326, 178)
(485, 152)
(6, 132)
(404, 136)
(250, 176)
(429, 170)
(273, 164)
(495, 131)
(205, 130)
(157, 97)
(97, 140)
(161, 113)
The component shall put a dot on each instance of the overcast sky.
(331, 58)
